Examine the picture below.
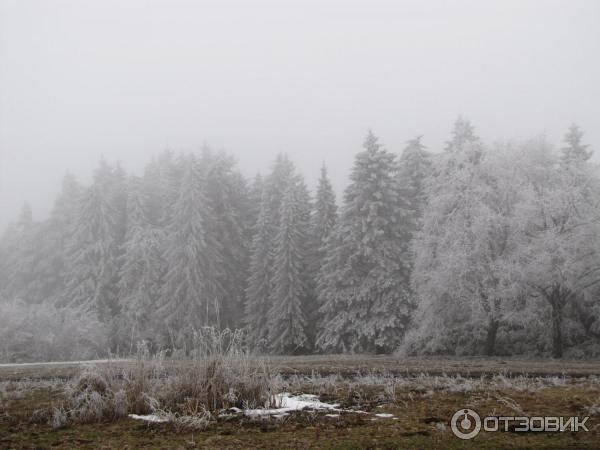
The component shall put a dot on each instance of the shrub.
(37, 333)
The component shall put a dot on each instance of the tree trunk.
(557, 300)
(490, 341)
(557, 341)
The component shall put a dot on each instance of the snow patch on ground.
(288, 402)
(148, 418)
(285, 402)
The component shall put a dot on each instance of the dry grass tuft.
(218, 374)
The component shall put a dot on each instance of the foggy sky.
(128, 79)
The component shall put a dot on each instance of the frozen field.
(350, 364)
(314, 402)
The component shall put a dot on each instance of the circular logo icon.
(465, 424)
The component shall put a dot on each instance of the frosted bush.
(36, 333)
(59, 418)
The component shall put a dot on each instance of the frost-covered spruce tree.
(160, 182)
(255, 199)
(191, 294)
(574, 150)
(226, 194)
(93, 261)
(116, 184)
(258, 290)
(363, 285)
(33, 256)
(463, 134)
(414, 169)
(322, 222)
(19, 256)
(304, 211)
(142, 266)
(324, 216)
(53, 242)
(276, 183)
(286, 315)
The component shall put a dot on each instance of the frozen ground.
(349, 365)
(367, 410)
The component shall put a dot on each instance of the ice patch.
(384, 415)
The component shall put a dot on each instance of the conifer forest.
(475, 249)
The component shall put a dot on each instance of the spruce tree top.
(575, 150)
(463, 133)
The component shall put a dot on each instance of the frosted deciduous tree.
(560, 254)
(463, 275)
(507, 240)
(363, 286)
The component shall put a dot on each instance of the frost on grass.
(218, 374)
(220, 381)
